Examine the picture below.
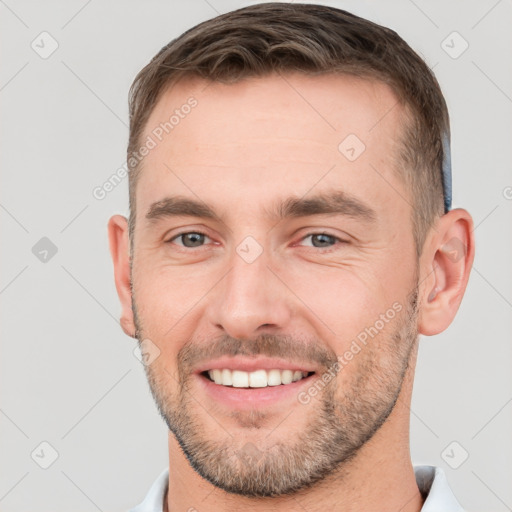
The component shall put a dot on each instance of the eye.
(321, 240)
(190, 239)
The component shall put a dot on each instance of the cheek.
(341, 301)
(169, 298)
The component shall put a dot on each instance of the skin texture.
(242, 150)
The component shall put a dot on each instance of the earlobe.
(120, 252)
(446, 262)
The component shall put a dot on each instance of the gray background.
(68, 374)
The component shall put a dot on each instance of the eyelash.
(317, 249)
(195, 232)
(338, 241)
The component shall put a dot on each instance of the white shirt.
(431, 480)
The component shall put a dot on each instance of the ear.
(445, 264)
(120, 251)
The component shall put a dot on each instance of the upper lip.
(250, 364)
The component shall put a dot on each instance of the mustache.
(192, 354)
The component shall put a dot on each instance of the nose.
(250, 300)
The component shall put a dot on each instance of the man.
(290, 236)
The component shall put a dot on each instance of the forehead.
(272, 133)
(318, 107)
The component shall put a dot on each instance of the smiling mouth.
(256, 379)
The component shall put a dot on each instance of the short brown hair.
(261, 39)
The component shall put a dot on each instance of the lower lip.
(248, 398)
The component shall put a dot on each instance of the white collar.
(431, 481)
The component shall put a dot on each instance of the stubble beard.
(338, 421)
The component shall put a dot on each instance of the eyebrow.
(333, 203)
(175, 206)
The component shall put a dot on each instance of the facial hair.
(340, 420)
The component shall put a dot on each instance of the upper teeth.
(256, 379)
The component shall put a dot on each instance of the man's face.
(298, 250)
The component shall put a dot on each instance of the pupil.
(193, 239)
(322, 240)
